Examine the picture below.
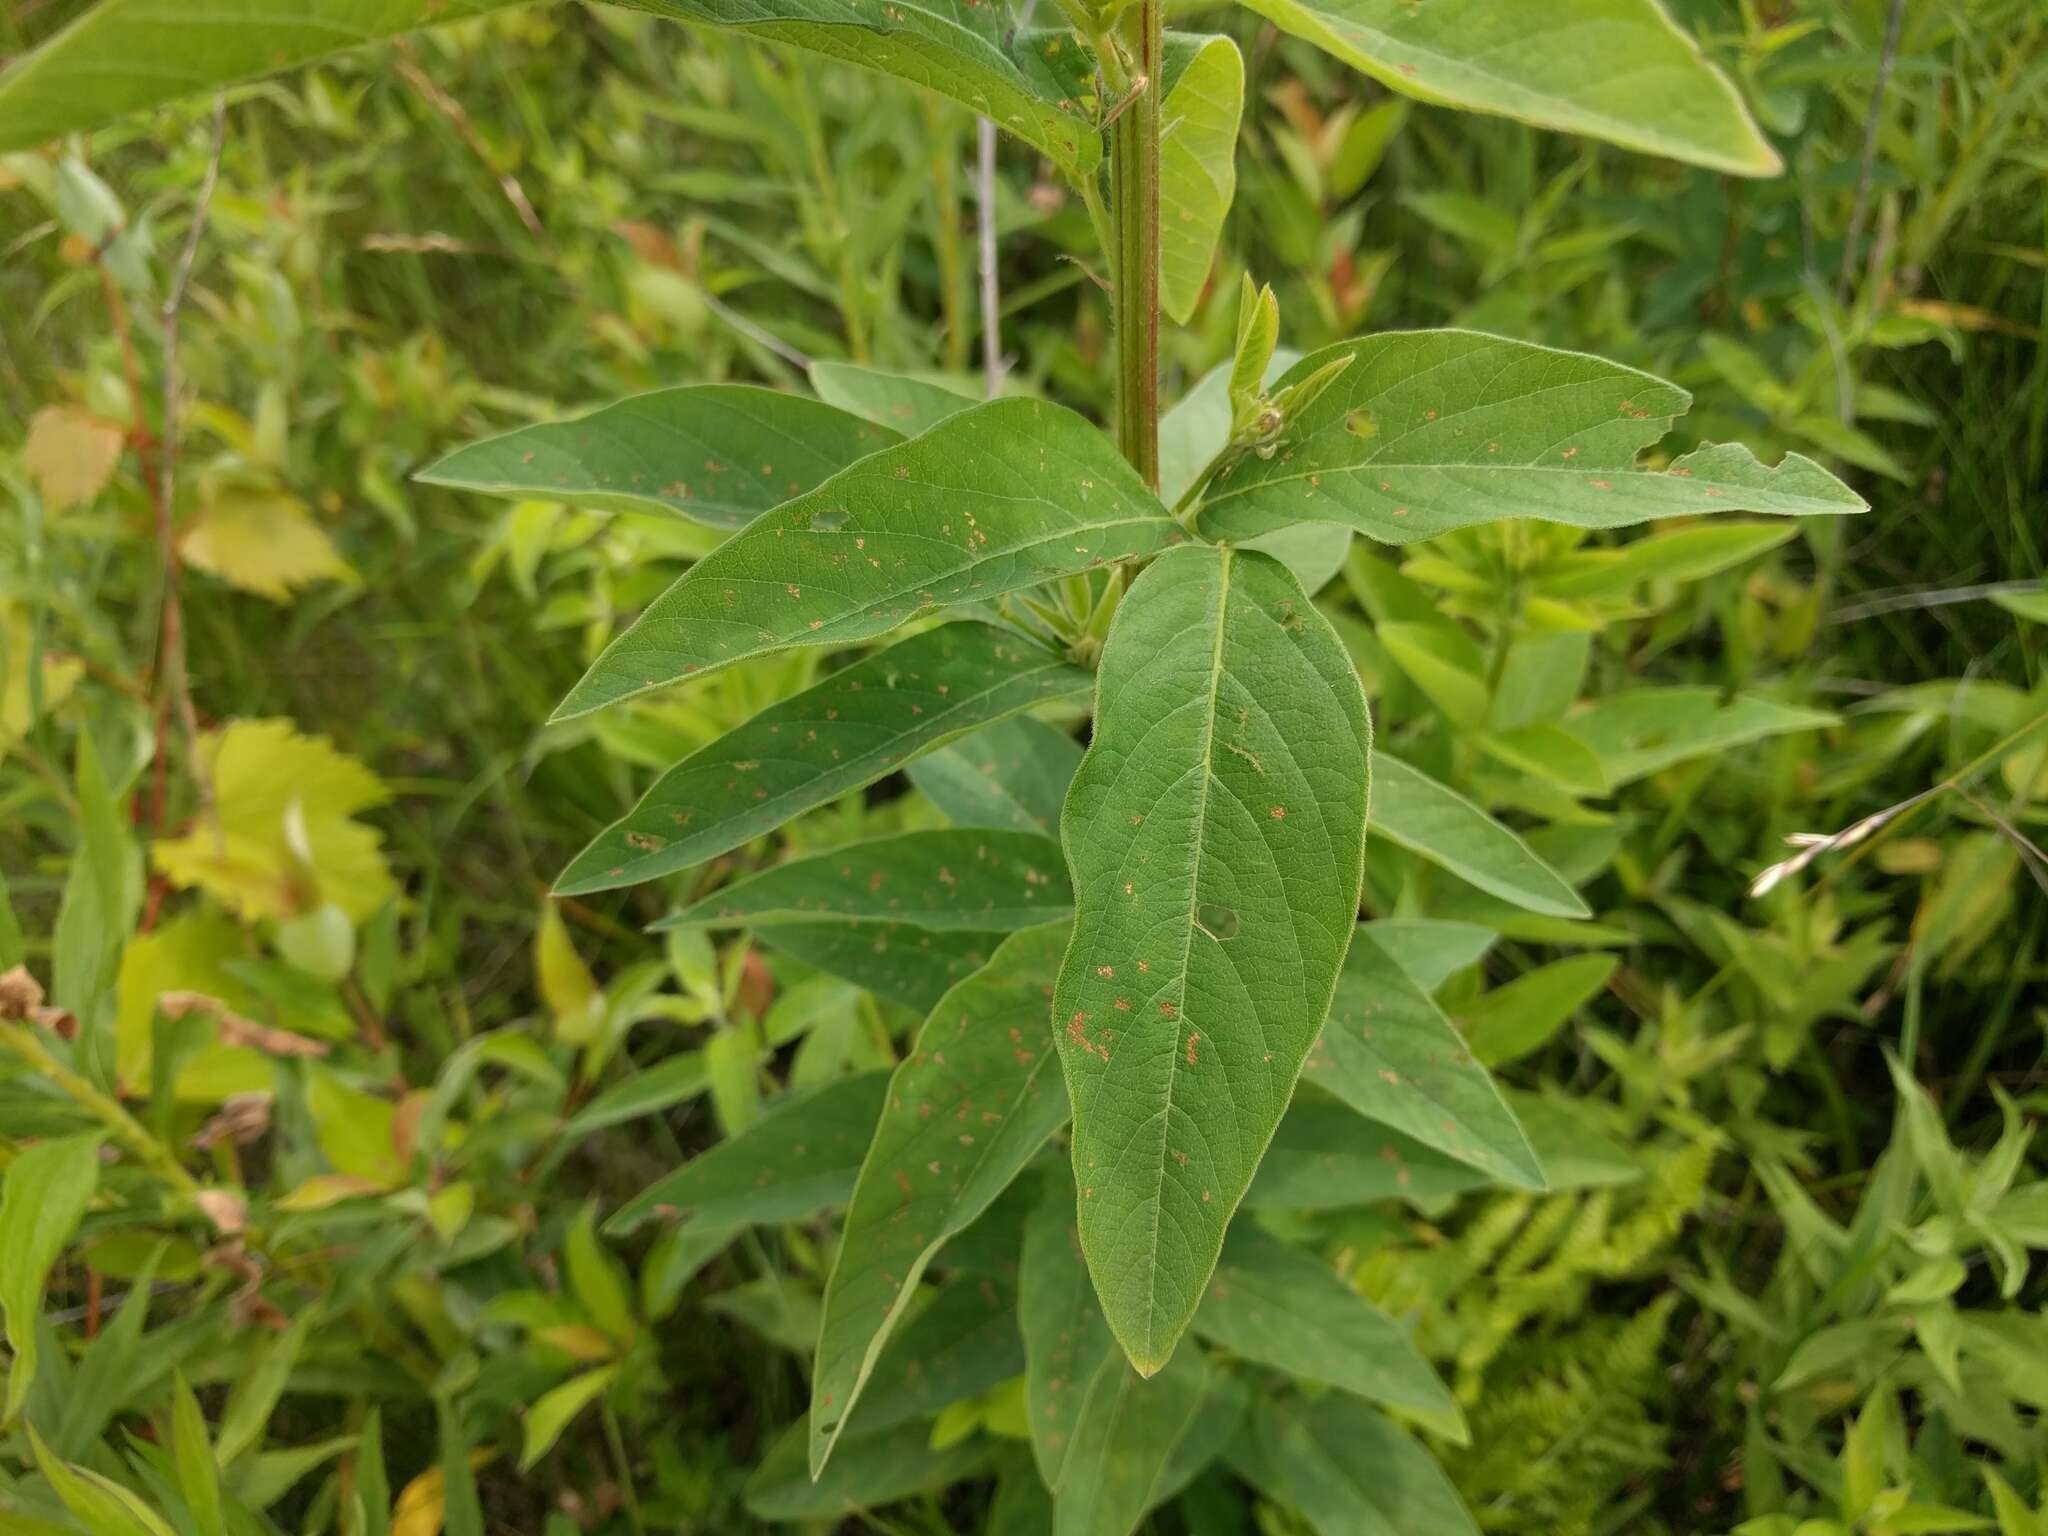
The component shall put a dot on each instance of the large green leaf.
(1278, 1305)
(1013, 774)
(1615, 69)
(124, 55)
(799, 1158)
(981, 880)
(1646, 730)
(1345, 1468)
(1427, 431)
(1126, 1430)
(871, 1469)
(1511, 1021)
(1390, 1054)
(1441, 825)
(1034, 84)
(906, 965)
(1326, 1156)
(720, 454)
(1197, 163)
(844, 732)
(967, 1109)
(1216, 831)
(997, 498)
(900, 401)
(1103, 1435)
(960, 1342)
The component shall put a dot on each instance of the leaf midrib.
(1188, 946)
(881, 1336)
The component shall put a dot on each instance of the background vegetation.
(1795, 1279)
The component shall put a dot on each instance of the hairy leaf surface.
(980, 880)
(1000, 497)
(844, 732)
(1427, 431)
(1216, 832)
(124, 55)
(1390, 1054)
(1282, 1307)
(1013, 774)
(1034, 84)
(968, 1108)
(1616, 69)
(794, 1161)
(1197, 163)
(719, 454)
(1435, 821)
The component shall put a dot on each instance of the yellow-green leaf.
(1197, 163)
(285, 841)
(263, 541)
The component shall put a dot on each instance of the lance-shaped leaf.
(962, 1341)
(1327, 1156)
(1197, 163)
(720, 454)
(1426, 948)
(968, 1108)
(844, 732)
(910, 966)
(1034, 84)
(1646, 730)
(124, 55)
(978, 880)
(1616, 69)
(1432, 820)
(1389, 1052)
(1216, 831)
(1103, 1436)
(799, 1158)
(1001, 497)
(900, 401)
(873, 1469)
(1282, 1307)
(1125, 1434)
(1345, 1468)
(1013, 774)
(1427, 431)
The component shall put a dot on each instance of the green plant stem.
(624, 1467)
(23, 1041)
(1134, 201)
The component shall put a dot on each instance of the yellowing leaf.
(285, 842)
(17, 698)
(325, 1189)
(566, 985)
(70, 455)
(354, 1129)
(264, 542)
(186, 954)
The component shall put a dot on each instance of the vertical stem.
(991, 290)
(1134, 193)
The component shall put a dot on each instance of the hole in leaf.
(1360, 422)
(1218, 922)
